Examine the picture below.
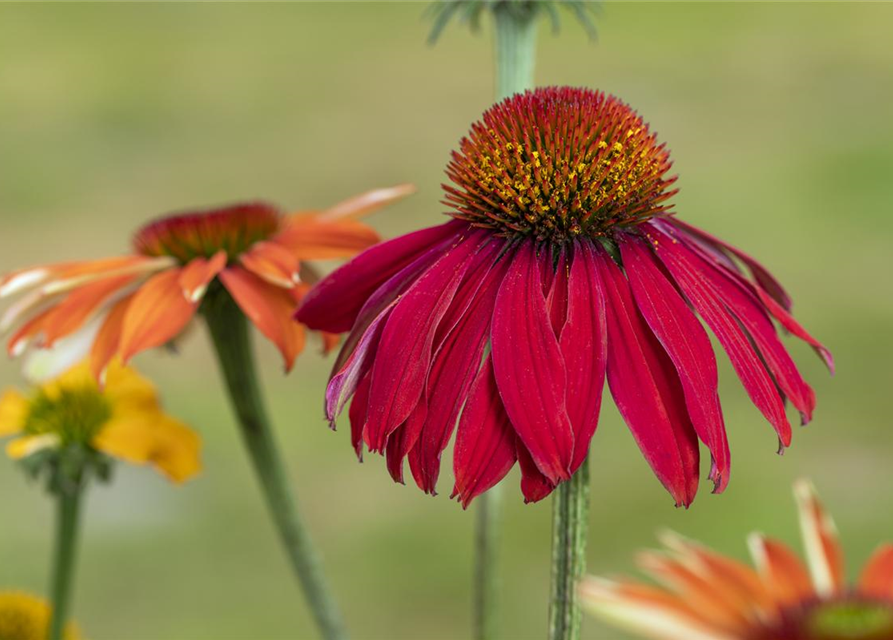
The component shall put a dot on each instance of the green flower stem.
(516, 26)
(68, 507)
(570, 517)
(515, 54)
(229, 333)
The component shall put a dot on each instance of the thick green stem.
(486, 571)
(515, 55)
(515, 47)
(67, 527)
(229, 333)
(570, 516)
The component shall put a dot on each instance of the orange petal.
(80, 305)
(785, 577)
(714, 604)
(197, 275)
(26, 333)
(80, 273)
(311, 238)
(820, 540)
(877, 577)
(22, 279)
(649, 611)
(272, 262)
(157, 313)
(107, 341)
(269, 307)
(367, 202)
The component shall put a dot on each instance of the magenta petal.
(333, 304)
(454, 368)
(750, 369)
(760, 273)
(787, 321)
(647, 390)
(687, 344)
(530, 368)
(557, 293)
(485, 440)
(584, 345)
(403, 439)
(357, 414)
(534, 485)
(404, 352)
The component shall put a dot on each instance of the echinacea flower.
(703, 595)
(127, 304)
(123, 420)
(27, 617)
(562, 266)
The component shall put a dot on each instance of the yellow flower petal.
(27, 617)
(127, 390)
(28, 445)
(13, 412)
(157, 439)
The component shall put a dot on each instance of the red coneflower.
(562, 267)
(708, 596)
(127, 304)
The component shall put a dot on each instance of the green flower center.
(851, 621)
(75, 415)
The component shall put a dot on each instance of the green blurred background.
(778, 116)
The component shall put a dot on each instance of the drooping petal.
(272, 262)
(782, 572)
(485, 440)
(81, 273)
(13, 412)
(44, 364)
(747, 364)
(198, 273)
(358, 410)
(108, 338)
(530, 368)
(584, 346)
(647, 390)
(309, 237)
(820, 541)
(404, 353)
(404, 438)
(269, 307)
(688, 346)
(787, 321)
(79, 306)
(146, 438)
(748, 310)
(534, 485)
(461, 341)
(761, 274)
(877, 577)
(24, 446)
(368, 202)
(156, 314)
(333, 304)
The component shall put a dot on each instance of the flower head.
(703, 595)
(27, 617)
(561, 268)
(125, 305)
(71, 415)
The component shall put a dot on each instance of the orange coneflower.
(707, 596)
(127, 304)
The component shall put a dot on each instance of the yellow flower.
(26, 617)
(124, 420)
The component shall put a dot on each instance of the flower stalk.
(515, 40)
(570, 519)
(68, 508)
(229, 333)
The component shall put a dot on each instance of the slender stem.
(570, 517)
(229, 333)
(67, 527)
(515, 54)
(486, 573)
(515, 47)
